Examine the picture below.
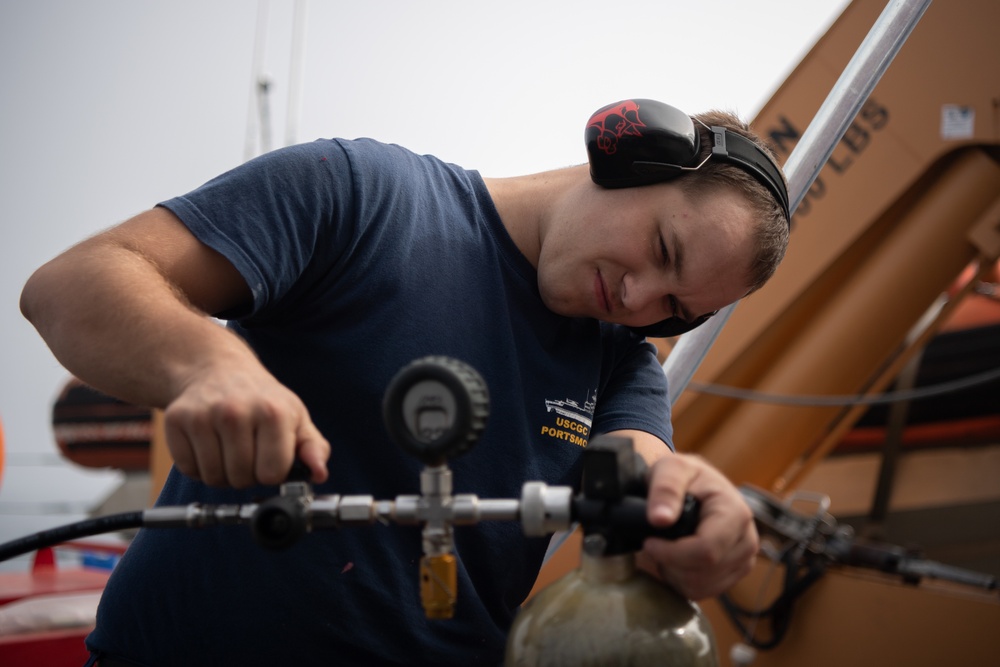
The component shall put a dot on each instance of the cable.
(798, 578)
(742, 653)
(60, 534)
(846, 400)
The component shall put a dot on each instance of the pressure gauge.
(435, 408)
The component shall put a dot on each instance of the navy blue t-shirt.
(362, 257)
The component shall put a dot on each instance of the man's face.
(637, 256)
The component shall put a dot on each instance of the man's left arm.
(723, 549)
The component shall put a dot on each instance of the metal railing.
(831, 121)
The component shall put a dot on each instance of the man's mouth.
(601, 292)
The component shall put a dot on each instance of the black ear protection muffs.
(641, 142)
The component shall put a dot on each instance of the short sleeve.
(275, 216)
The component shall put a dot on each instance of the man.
(338, 262)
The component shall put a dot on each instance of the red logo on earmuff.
(615, 122)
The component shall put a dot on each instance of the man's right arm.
(127, 312)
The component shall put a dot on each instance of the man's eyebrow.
(678, 265)
(678, 255)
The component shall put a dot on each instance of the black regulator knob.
(279, 522)
(436, 408)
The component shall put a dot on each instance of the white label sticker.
(957, 121)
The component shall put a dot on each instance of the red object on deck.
(55, 647)
(47, 579)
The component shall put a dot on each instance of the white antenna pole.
(297, 67)
(256, 76)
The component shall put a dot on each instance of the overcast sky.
(109, 106)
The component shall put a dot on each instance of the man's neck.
(525, 204)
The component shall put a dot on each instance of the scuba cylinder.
(607, 612)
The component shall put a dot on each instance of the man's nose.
(643, 291)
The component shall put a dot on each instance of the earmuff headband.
(641, 142)
(737, 149)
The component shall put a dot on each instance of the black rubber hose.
(60, 534)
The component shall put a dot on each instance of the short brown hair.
(771, 235)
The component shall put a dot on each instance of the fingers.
(700, 568)
(723, 549)
(667, 486)
(280, 440)
(236, 448)
(275, 446)
(236, 439)
(314, 451)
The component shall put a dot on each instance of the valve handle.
(436, 408)
(613, 502)
(621, 520)
(624, 522)
(299, 472)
